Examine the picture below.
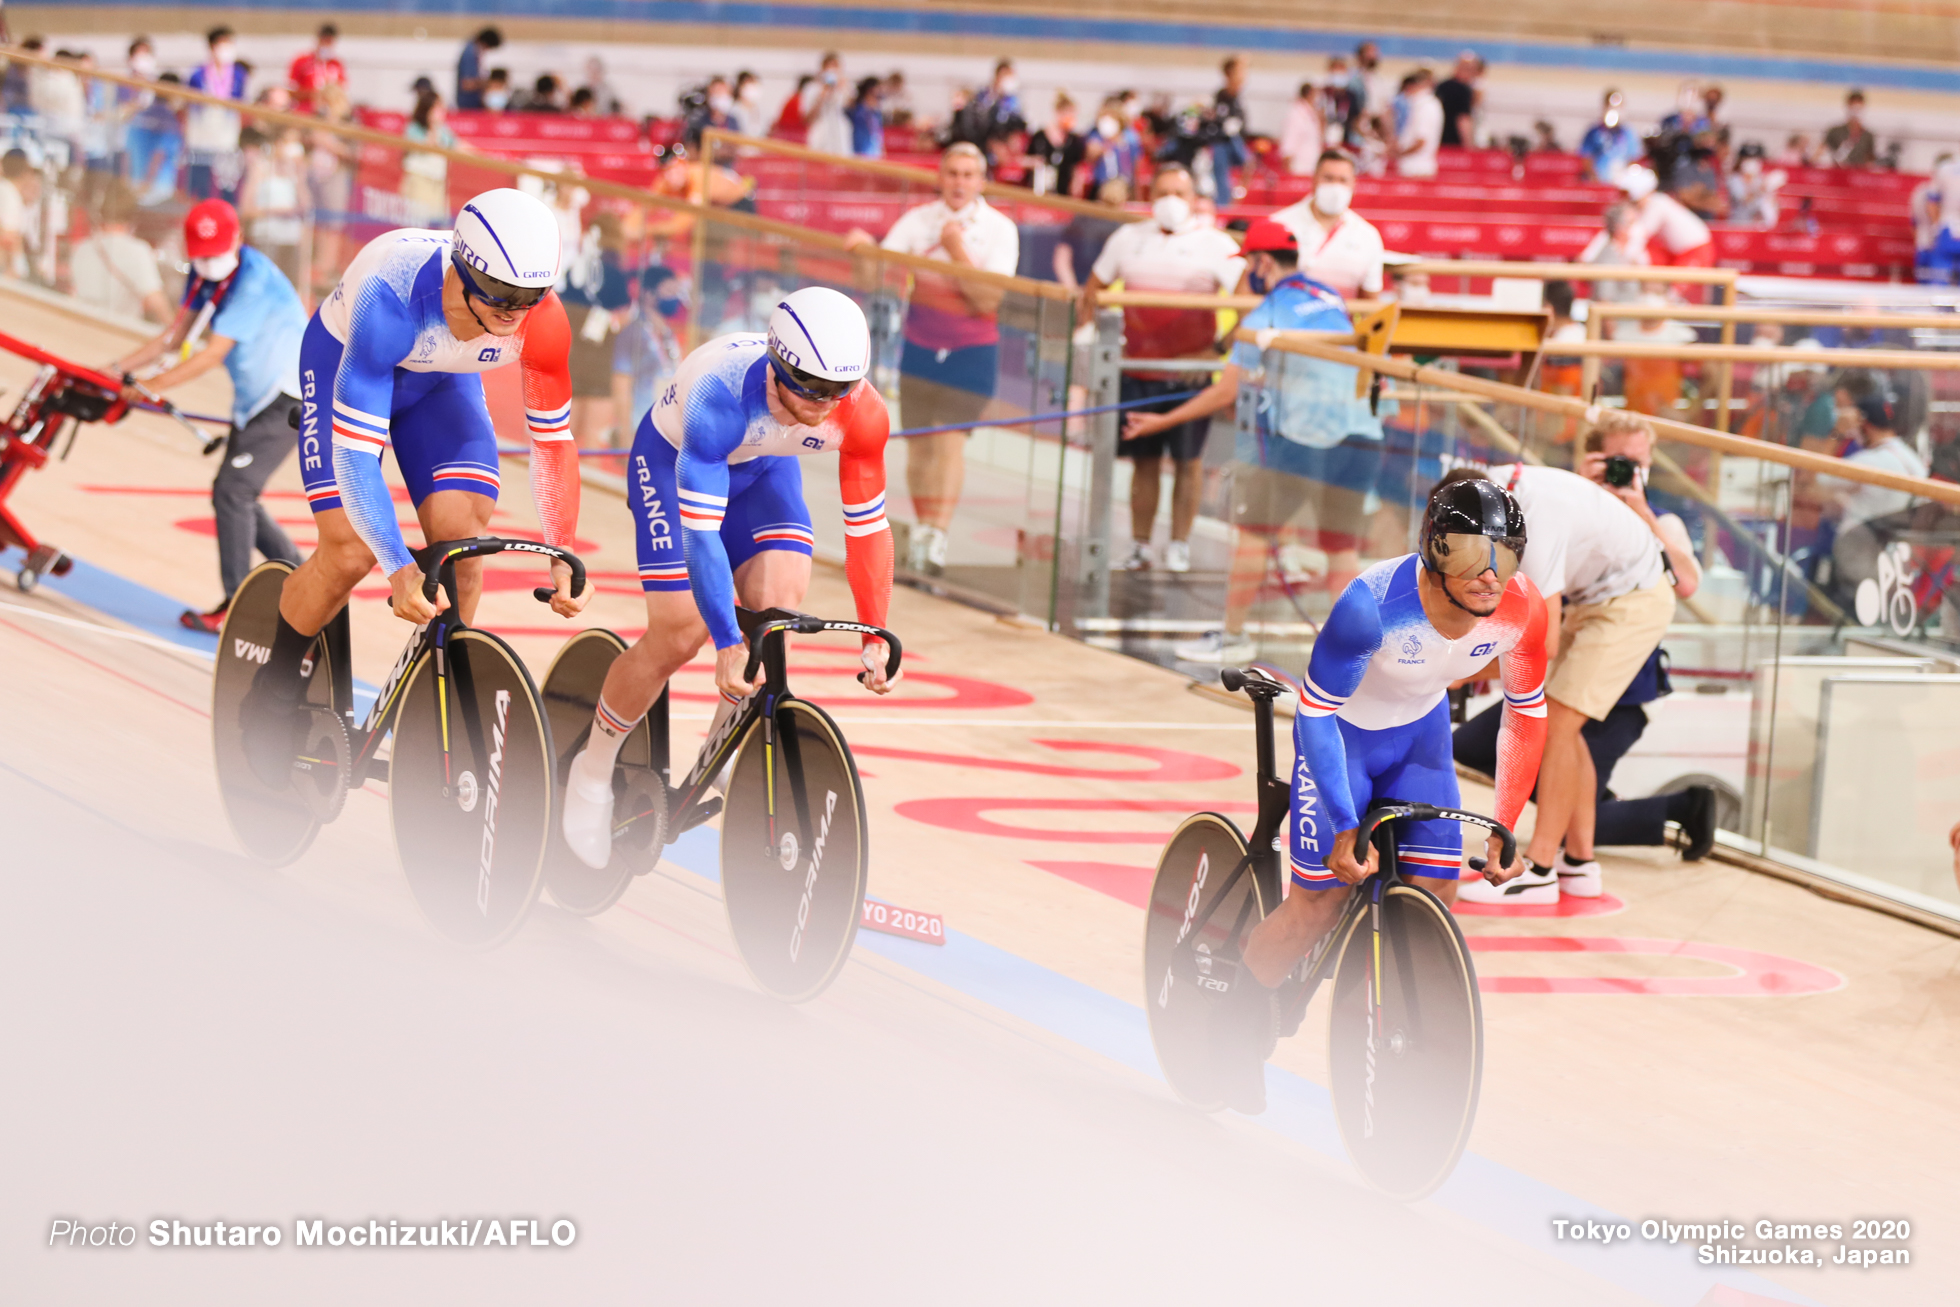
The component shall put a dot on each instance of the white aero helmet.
(506, 248)
(819, 345)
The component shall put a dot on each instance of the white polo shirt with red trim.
(1347, 257)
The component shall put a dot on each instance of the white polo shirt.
(1581, 540)
(1425, 124)
(939, 318)
(1348, 257)
(1673, 222)
(1199, 260)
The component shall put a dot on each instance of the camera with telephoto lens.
(1619, 470)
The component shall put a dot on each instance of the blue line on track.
(1486, 1192)
(1197, 36)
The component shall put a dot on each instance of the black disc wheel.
(275, 824)
(1203, 900)
(472, 821)
(1405, 1043)
(571, 692)
(794, 852)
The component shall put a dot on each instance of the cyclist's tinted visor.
(498, 294)
(1465, 555)
(822, 390)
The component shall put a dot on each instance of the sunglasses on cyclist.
(498, 294)
(1464, 555)
(820, 390)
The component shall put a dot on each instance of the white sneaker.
(935, 543)
(588, 816)
(1532, 887)
(1140, 559)
(1215, 647)
(1177, 556)
(1579, 879)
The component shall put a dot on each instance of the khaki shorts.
(1601, 646)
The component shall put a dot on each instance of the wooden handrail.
(1570, 272)
(1929, 360)
(1945, 492)
(1795, 317)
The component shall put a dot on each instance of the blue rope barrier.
(1030, 420)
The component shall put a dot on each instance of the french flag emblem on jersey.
(701, 512)
(865, 519)
(358, 430)
(552, 424)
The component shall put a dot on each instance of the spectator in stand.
(868, 119)
(1936, 208)
(1866, 513)
(605, 100)
(543, 97)
(824, 107)
(1673, 237)
(470, 81)
(155, 139)
(1609, 146)
(716, 110)
(20, 195)
(1113, 148)
(790, 120)
(1420, 133)
(1334, 102)
(16, 94)
(1619, 244)
(1799, 152)
(1228, 151)
(1083, 239)
(113, 269)
(899, 111)
(951, 361)
(273, 199)
(992, 118)
(330, 174)
(583, 104)
(1172, 253)
(211, 133)
(598, 297)
(1337, 247)
(1697, 183)
(649, 348)
(749, 118)
(1562, 374)
(1544, 138)
(102, 131)
(425, 176)
(315, 68)
(1656, 386)
(61, 102)
(1714, 132)
(496, 91)
(1304, 136)
(1460, 99)
(1372, 122)
(1057, 150)
(1851, 144)
(1752, 190)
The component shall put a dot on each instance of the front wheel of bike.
(794, 852)
(1405, 1043)
(472, 821)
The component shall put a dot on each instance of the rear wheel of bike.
(1198, 915)
(570, 693)
(275, 824)
(1405, 1044)
(471, 828)
(794, 884)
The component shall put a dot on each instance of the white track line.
(1047, 724)
(113, 632)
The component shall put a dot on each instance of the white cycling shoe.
(588, 820)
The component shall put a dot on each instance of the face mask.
(669, 306)
(291, 150)
(222, 53)
(830, 79)
(496, 100)
(1751, 167)
(1612, 118)
(1009, 84)
(144, 66)
(1171, 212)
(1257, 283)
(1108, 128)
(748, 94)
(217, 267)
(1332, 198)
(721, 103)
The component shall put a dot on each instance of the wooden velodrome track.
(209, 1039)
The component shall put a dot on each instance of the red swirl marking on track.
(1169, 765)
(1757, 975)
(965, 815)
(1567, 906)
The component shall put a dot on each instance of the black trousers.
(1617, 821)
(252, 454)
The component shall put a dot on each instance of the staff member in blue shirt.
(255, 320)
(1309, 457)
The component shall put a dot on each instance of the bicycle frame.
(690, 801)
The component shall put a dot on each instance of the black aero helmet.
(1472, 526)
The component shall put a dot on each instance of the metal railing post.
(1105, 387)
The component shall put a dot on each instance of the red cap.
(1267, 235)
(209, 228)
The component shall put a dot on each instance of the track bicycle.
(1405, 1034)
(795, 848)
(471, 789)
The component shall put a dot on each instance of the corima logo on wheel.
(496, 773)
(810, 881)
(1190, 915)
(249, 652)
